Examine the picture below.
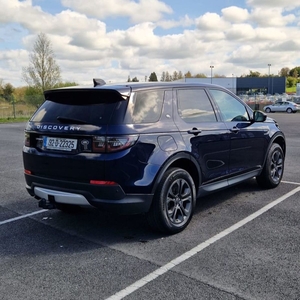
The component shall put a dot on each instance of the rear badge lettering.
(57, 127)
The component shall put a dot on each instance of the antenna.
(98, 81)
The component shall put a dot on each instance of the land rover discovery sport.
(150, 148)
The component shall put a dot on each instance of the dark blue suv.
(149, 148)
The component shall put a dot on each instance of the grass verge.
(13, 120)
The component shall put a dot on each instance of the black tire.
(173, 203)
(67, 208)
(273, 169)
(289, 110)
(268, 110)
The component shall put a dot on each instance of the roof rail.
(98, 81)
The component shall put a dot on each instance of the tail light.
(27, 139)
(109, 144)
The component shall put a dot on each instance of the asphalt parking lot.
(242, 243)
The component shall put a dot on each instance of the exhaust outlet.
(46, 204)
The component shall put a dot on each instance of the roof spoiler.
(98, 81)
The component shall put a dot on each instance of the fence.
(15, 110)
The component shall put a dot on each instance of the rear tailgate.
(59, 136)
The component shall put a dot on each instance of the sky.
(114, 39)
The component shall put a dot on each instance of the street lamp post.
(269, 90)
(211, 71)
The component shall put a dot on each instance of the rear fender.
(184, 161)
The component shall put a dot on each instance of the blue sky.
(119, 38)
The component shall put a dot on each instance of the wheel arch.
(184, 161)
(278, 139)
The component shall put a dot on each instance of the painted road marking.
(22, 217)
(173, 263)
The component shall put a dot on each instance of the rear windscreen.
(81, 108)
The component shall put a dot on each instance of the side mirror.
(259, 116)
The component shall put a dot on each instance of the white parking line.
(291, 182)
(23, 216)
(164, 269)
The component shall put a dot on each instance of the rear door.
(205, 137)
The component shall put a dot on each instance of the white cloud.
(234, 40)
(271, 17)
(141, 11)
(287, 4)
(211, 21)
(139, 35)
(242, 32)
(11, 63)
(235, 14)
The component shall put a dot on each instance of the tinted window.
(145, 107)
(194, 106)
(231, 109)
(82, 106)
(96, 114)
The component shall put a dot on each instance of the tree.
(291, 81)
(180, 76)
(200, 75)
(284, 72)
(153, 77)
(19, 94)
(188, 75)
(295, 72)
(43, 73)
(33, 96)
(252, 74)
(175, 76)
(7, 92)
(65, 84)
(168, 77)
(133, 79)
(1, 87)
(216, 75)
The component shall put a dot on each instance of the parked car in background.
(296, 99)
(150, 148)
(282, 106)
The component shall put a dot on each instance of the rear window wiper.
(70, 120)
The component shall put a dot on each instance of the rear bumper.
(110, 198)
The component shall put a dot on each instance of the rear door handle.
(194, 131)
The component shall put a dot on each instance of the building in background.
(247, 85)
(264, 85)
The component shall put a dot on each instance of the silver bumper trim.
(61, 197)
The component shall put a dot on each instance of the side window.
(145, 107)
(194, 106)
(231, 109)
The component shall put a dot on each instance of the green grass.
(13, 120)
(291, 90)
